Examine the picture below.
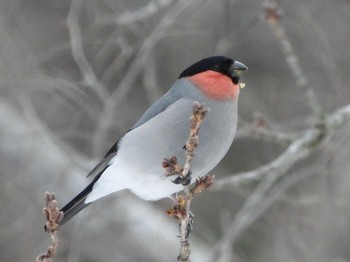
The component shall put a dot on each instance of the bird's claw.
(190, 224)
(183, 180)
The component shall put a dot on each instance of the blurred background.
(75, 75)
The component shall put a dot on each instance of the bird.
(134, 162)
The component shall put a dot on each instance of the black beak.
(239, 66)
(236, 69)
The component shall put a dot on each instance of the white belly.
(138, 164)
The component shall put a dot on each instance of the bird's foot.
(190, 224)
(183, 180)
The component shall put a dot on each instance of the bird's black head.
(224, 65)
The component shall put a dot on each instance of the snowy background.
(75, 75)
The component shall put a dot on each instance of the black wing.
(78, 202)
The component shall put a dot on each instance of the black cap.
(222, 64)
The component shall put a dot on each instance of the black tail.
(77, 203)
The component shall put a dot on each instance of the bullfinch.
(134, 162)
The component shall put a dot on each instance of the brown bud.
(196, 107)
(273, 13)
(202, 183)
(52, 204)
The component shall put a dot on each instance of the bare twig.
(119, 39)
(53, 217)
(199, 113)
(298, 150)
(272, 176)
(78, 51)
(250, 131)
(181, 209)
(273, 15)
(261, 128)
(62, 150)
(301, 148)
(252, 209)
(141, 14)
(269, 174)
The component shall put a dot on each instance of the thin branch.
(338, 118)
(78, 51)
(249, 131)
(253, 208)
(273, 15)
(139, 15)
(119, 39)
(53, 217)
(199, 113)
(300, 149)
(63, 150)
(261, 128)
(297, 151)
(181, 209)
(274, 178)
(270, 173)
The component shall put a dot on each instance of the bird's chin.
(235, 79)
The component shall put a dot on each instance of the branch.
(54, 145)
(78, 51)
(119, 39)
(273, 16)
(181, 209)
(141, 14)
(262, 129)
(299, 149)
(275, 178)
(53, 217)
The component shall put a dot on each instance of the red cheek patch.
(216, 85)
